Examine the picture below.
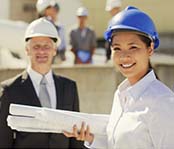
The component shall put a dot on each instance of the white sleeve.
(100, 142)
(161, 125)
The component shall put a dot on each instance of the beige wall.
(161, 11)
(23, 10)
(4, 9)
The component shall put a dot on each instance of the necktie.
(43, 94)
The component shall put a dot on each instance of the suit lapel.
(59, 91)
(29, 91)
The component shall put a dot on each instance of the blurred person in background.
(143, 107)
(50, 10)
(83, 39)
(38, 86)
(113, 7)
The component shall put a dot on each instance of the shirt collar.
(36, 77)
(137, 89)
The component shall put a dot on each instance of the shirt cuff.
(99, 142)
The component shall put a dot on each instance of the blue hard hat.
(133, 19)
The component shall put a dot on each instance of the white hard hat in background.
(82, 11)
(41, 5)
(110, 4)
(42, 27)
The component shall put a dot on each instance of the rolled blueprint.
(39, 119)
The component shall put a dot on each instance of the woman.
(143, 108)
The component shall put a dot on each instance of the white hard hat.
(82, 11)
(110, 4)
(41, 5)
(42, 27)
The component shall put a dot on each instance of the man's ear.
(55, 52)
(27, 50)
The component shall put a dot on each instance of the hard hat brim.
(108, 33)
(56, 39)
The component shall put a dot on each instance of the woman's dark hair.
(143, 37)
(146, 40)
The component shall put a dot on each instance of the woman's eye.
(133, 47)
(116, 49)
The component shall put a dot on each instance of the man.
(83, 39)
(38, 86)
(113, 7)
(50, 10)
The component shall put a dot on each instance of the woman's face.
(131, 55)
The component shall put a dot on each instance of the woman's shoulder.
(160, 96)
(159, 89)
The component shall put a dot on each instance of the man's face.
(82, 20)
(41, 51)
(52, 12)
(114, 11)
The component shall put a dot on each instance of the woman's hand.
(82, 135)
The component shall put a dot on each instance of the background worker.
(113, 7)
(50, 9)
(38, 86)
(83, 39)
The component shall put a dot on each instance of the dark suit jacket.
(20, 90)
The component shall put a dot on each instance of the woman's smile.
(127, 66)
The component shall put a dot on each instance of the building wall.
(4, 9)
(161, 12)
(22, 10)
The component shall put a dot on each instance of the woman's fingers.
(89, 136)
(83, 135)
(87, 131)
(82, 132)
(71, 134)
(68, 134)
(75, 131)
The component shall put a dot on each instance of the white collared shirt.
(36, 78)
(142, 117)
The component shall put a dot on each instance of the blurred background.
(97, 81)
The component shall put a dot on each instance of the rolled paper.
(38, 119)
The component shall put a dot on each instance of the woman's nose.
(125, 55)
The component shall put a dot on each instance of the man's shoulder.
(74, 31)
(11, 81)
(90, 29)
(64, 79)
